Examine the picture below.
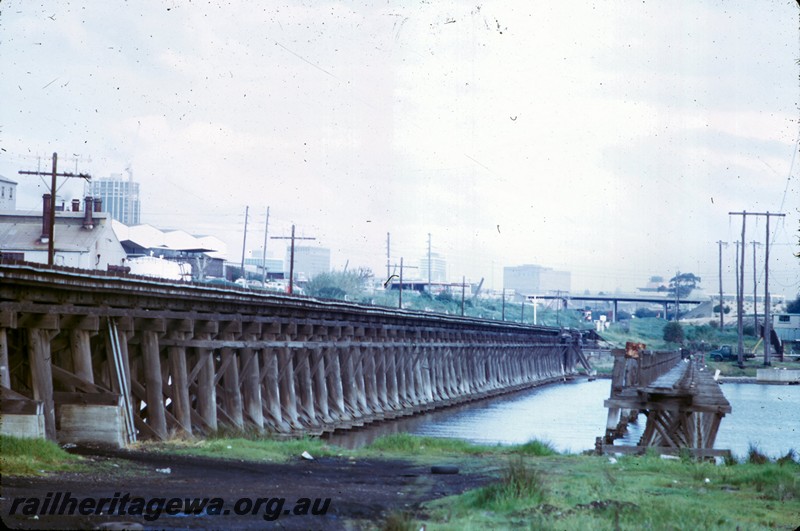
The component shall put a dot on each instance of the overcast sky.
(610, 139)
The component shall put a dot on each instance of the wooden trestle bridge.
(683, 403)
(88, 356)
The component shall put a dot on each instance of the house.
(8, 198)
(82, 239)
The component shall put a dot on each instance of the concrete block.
(778, 375)
(84, 423)
(23, 426)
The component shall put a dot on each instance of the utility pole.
(244, 242)
(291, 256)
(767, 332)
(400, 298)
(264, 253)
(463, 291)
(720, 243)
(739, 309)
(429, 263)
(52, 214)
(677, 294)
(755, 289)
(767, 323)
(388, 257)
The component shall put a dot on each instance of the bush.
(518, 482)
(701, 333)
(338, 284)
(642, 313)
(673, 332)
(444, 296)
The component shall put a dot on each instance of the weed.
(787, 459)
(519, 482)
(537, 448)
(399, 522)
(755, 456)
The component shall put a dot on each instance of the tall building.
(438, 268)
(120, 197)
(308, 262)
(8, 194)
(530, 279)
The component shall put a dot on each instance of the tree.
(673, 332)
(793, 306)
(683, 283)
(341, 285)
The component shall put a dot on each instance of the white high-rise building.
(533, 279)
(438, 268)
(119, 197)
(308, 262)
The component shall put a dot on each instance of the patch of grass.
(33, 457)
(399, 521)
(406, 445)
(644, 492)
(402, 445)
(413, 445)
(535, 448)
(248, 449)
(519, 482)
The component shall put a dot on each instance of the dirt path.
(361, 492)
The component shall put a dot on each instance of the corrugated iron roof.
(23, 232)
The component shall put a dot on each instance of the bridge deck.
(685, 386)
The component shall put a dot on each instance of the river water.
(571, 415)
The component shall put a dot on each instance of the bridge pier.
(206, 390)
(684, 406)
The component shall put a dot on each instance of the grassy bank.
(593, 492)
(33, 457)
(535, 487)
(401, 445)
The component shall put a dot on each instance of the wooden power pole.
(767, 331)
(264, 253)
(291, 256)
(52, 215)
(720, 243)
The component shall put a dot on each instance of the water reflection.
(571, 415)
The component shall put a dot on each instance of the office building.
(119, 197)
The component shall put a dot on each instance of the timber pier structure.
(90, 356)
(683, 403)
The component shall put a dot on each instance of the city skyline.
(611, 141)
